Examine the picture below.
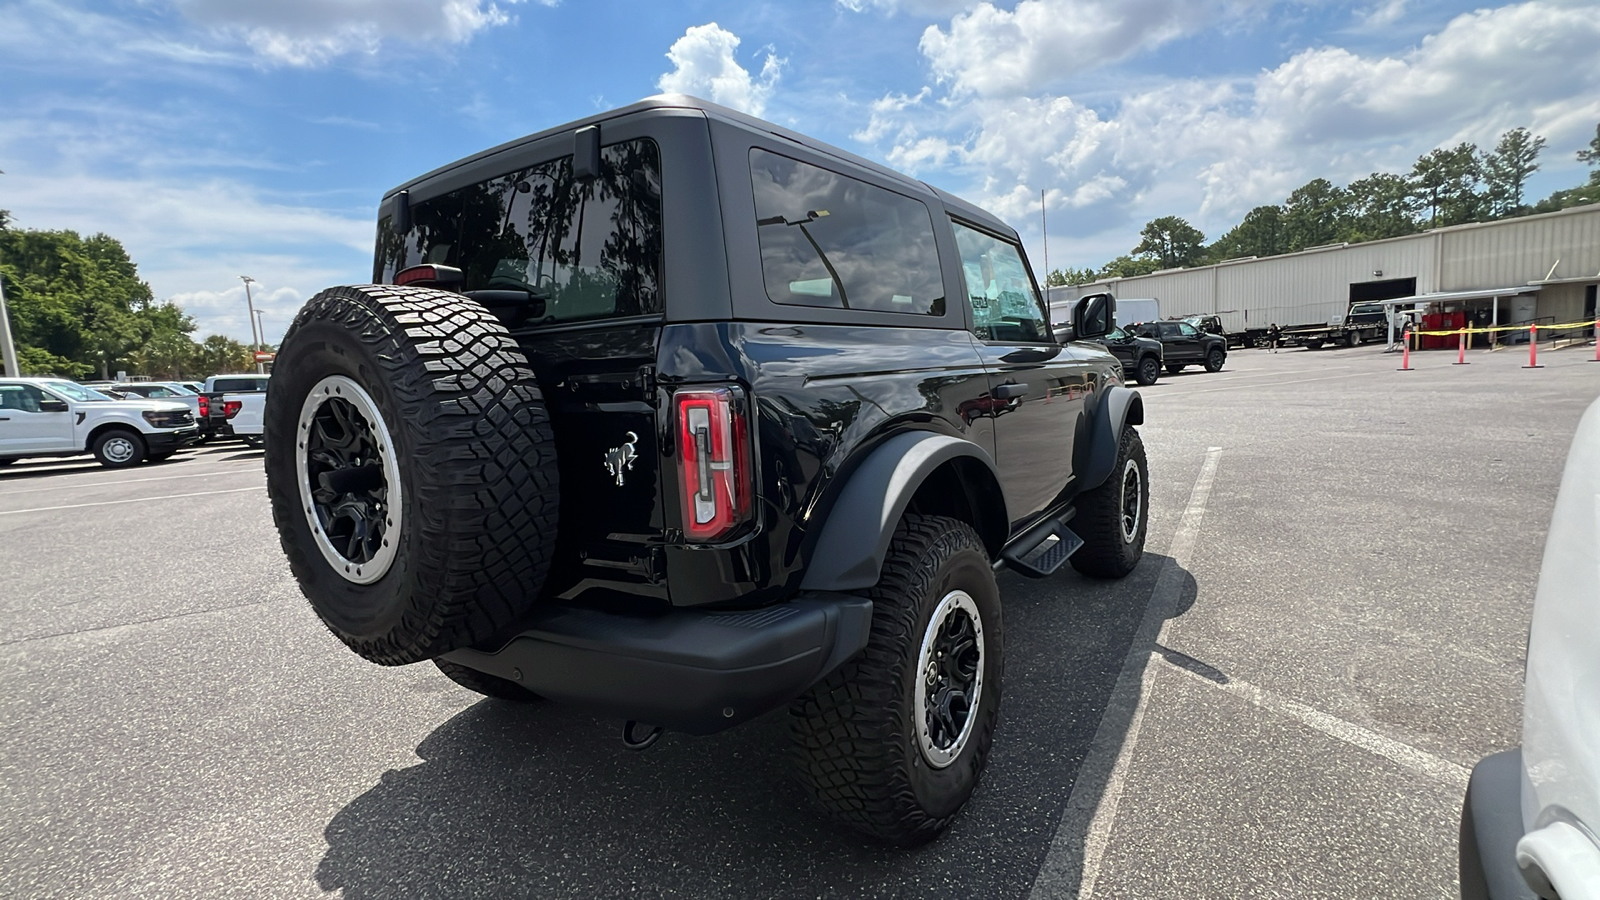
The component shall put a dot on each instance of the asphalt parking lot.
(1283, 700)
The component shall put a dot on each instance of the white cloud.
(1210, 150)
(931, 8)
(312, 32)
(186, 238)
(989, 50)
(1386, 13)
(705, 63)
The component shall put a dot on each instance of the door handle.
(1009, 390)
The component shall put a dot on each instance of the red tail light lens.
(713, 462)
(205, 406)
(230, 408)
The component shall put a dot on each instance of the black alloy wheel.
(1149, 371)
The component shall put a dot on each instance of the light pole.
(255, 337)
(8, 350)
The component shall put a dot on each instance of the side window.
(830, 240)
(20, 397)
(159, 392)
(590, 248)
(1170, 330)
(1187, 330)
(1005, 306)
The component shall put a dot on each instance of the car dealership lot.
(1340, 570)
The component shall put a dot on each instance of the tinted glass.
(246, 385)
(1005, 306)
(829, 240)
(1187, 330)
(589, 248)
(1116, 334)
(1169, 329)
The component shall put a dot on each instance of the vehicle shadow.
(541, 800)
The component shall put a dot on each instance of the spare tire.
(411, 469)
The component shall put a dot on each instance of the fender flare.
(1095, 450)
(849, 553)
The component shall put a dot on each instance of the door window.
(20, 397)
(1005, 306)
(1170, 330)
(829, 240)
(1187, 330)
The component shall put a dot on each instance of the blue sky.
(227, 137)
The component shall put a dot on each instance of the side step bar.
(1042, 549)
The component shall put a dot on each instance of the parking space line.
(18, 512)
(1419, 761)
(1072, 864)
(1276, 384)
(74, 484)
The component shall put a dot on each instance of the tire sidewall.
(1215, 360)
(1149, 371)
(941, 792)
(105, 437)
(1132, 450)
(323, 348)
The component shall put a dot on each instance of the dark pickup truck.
(682, 417)
(1183, 344)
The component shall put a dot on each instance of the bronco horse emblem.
(620, 459)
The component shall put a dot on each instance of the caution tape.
(1487, 329)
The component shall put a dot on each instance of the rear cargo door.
(564, 244)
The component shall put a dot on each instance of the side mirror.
(1092, 316)
(51, 404)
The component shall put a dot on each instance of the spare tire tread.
(484, 488)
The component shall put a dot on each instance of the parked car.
(56, 417)
(1183, 344)
(1531, 817)
(1140, 357)
(175, 391)
(746, 444)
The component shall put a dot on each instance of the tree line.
(79, 310)
(1447, 186)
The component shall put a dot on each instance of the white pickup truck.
(56, 417)
(237, 406)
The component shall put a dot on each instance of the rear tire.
(119, 448)
(1113, 518)
(411, 469)
(879, 748)
(1215, 360)
(485, 684)
(1353, 339)
(1149, 371)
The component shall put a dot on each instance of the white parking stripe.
(7, 492)
(1073, 862)
(18, 512)
(1419, 761)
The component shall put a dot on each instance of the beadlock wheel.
(950, 678)
(350, 484)
(1132, 500)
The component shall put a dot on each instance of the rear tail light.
(430, 275)
(713, 462)
(230, 408)
(205, 406)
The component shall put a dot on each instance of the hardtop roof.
(744, 120)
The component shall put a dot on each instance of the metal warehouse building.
(1542, 268)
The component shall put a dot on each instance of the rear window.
(829, 240)
(245, 385)
(591, 249)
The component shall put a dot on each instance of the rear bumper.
(1491, 825)
(697, 671)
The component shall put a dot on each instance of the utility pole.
(9, 365)
(255, 336)
(1044, 229)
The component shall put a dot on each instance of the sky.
(219, 138)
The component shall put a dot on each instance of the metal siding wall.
(1314, 288)
(1522, 250)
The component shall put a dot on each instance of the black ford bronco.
(682, 417)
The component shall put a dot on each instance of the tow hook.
(632, 742)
